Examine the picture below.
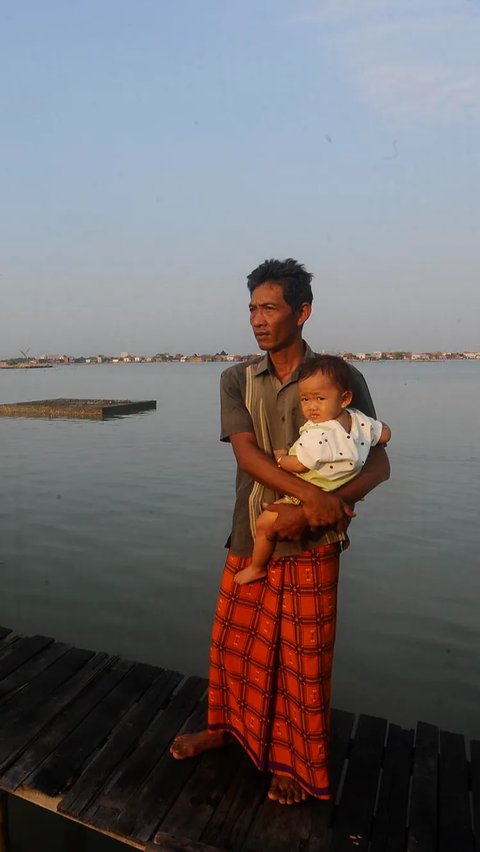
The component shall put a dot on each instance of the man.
(272, 641)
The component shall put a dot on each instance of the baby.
(331, 449)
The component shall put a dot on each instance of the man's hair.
(332, 366)
(293, 277)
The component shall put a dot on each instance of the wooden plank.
(475, 773)
(6, 644)
(231, 821)
(282, 828)
(390, 826)
(33, 667)
(63, 766)
(140, 810)
(321, 812)
(341, 732)
(422, 832)
(202, 792)
(353, 820)
(454, 820)
(92, 682)
(118, 746)
(125, 784)
(169, 843)
(306, 826)
(23, 715)
(16, 654)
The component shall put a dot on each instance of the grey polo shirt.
(282, 419)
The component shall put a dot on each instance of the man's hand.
(291, 522)
(327, 509)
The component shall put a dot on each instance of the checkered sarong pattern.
(271, 664)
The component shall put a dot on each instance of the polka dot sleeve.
(313, 448)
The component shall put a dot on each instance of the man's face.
(274, 323)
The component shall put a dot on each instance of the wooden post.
(4, 845)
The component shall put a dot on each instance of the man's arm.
(319, 508)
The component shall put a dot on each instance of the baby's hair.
(332, 366)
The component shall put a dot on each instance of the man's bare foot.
(286, 791)
(249, 575)
(189, 745)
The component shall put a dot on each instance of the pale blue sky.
(154, 151)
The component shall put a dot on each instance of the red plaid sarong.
(271, 662)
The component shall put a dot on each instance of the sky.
(153, 152)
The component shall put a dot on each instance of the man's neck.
(286, 360)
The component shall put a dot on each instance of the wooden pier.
(84, 409)
(86, 735)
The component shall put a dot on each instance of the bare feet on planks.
(286, 791)
(189, 745)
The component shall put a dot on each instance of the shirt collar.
(265, 364)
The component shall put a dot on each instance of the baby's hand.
(280, 454)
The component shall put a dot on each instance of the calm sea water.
(112, 532)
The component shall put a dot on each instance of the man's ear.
(347, 397)
(304, 312)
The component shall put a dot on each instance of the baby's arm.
(289, 463)
(385, 434)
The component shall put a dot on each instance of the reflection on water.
(113, 532)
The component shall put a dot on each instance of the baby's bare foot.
(249, 575)
(286, 791)
(189, 745)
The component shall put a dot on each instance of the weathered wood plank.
(6, 644)
(454, 820)
(283, 828)
(422, 832)
(91, 683)
(341, 732)
(121, 796)
(118, 746)
(25, 714)
(32, 667)
(64, 718)
(10, 636)
(63, 766)
(231, 821)
(321, 812)
(168, 843)
(307, 826)
(475, 773)
(143, 811)
(390, 826)
(353, 819)
(18, 652)
(202, 792)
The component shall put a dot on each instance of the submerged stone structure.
(90, 409)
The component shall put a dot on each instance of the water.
(112, 532)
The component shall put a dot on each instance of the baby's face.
(321, 399)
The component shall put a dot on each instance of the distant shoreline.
(408, 358)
